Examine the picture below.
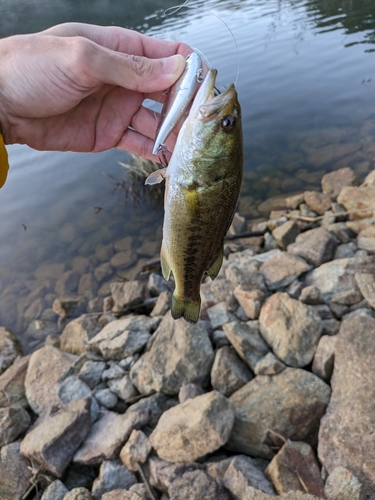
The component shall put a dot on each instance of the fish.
(178, 99)
(203, 182)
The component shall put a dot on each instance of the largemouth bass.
(203, 182)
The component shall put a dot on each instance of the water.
(306, 85)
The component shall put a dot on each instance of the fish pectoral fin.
(192, 199)
(165, 267)
(184, 309)
(214, 269)
(156, 177)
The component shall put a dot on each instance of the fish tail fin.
(187, 310)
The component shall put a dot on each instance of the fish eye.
(228, 123)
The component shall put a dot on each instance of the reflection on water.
(306, 87)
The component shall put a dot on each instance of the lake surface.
(306, 85)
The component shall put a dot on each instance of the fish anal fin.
(165, 267)
(192, 199)
(184, 309)
(215, 267)
(156, 177)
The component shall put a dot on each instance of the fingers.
(95, 65)
(121, 40)
(136, 143)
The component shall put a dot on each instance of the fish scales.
(203, 182)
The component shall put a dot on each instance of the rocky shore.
(270, 394)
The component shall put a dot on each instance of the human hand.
(78, 87)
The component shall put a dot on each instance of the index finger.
(122, 40)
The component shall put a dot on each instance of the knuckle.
(142, 66)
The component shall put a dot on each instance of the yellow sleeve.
(4, 166)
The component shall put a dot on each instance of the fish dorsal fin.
(214, 269)
(156, 177)
(165, 267)
(192, 199)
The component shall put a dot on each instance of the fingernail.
(174, 64)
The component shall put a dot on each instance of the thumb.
(136, 72)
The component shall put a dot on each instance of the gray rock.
(282, 269)
(113, 475)
(324, 357)
(347, 297)
(344, 438)
(219, 314)
(136, 450)
(91, 372)
(163, 304)
(141, 490)
(333, 182)
(12, 383)
(194, 428)
(291, 328)
(48, 367)
(191, 485)
(269, 365)
(181, 353)
(55, 491)
(14, 420)
(123, 387)
(228, 372)
(156, 404)
(15, 473)
(286, 233)
(162, 474)
(366, 284)
(10, 348)
(289, 404)
(53, 443)
(106, 398)
(127, 294)
(219, 338)
(189, 391)
(316, 246)
(76, 335)
(247, 342)
(244, 273)
(339, 275)
(330, 326)
(103, 445)
(123, 337)
(242, 477)
(342, 484)
(295, 468)
(157, 284)
(88, 286)
(113, 372)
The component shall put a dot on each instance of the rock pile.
(271, 394)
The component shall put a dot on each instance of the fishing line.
(175, 8)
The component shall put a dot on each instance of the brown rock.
(250, 301)
(103, 445)
(53, 442)
(15, 473)
(123, 260)
(366, 284)
(162, 474)
(243, 473)
(192, 429)
(324, 357)
(295, 468)
(269, 365)
(136, 450)
(67, 282)
(78, 332)
(127, 294)
(282, 269)
(319, 202)
(120, 495)
(68, 305)
(192, 484)
(332, 152)
(290, 403)
(358, 199)
(291, 328)
(344, 438)
(333, 182)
